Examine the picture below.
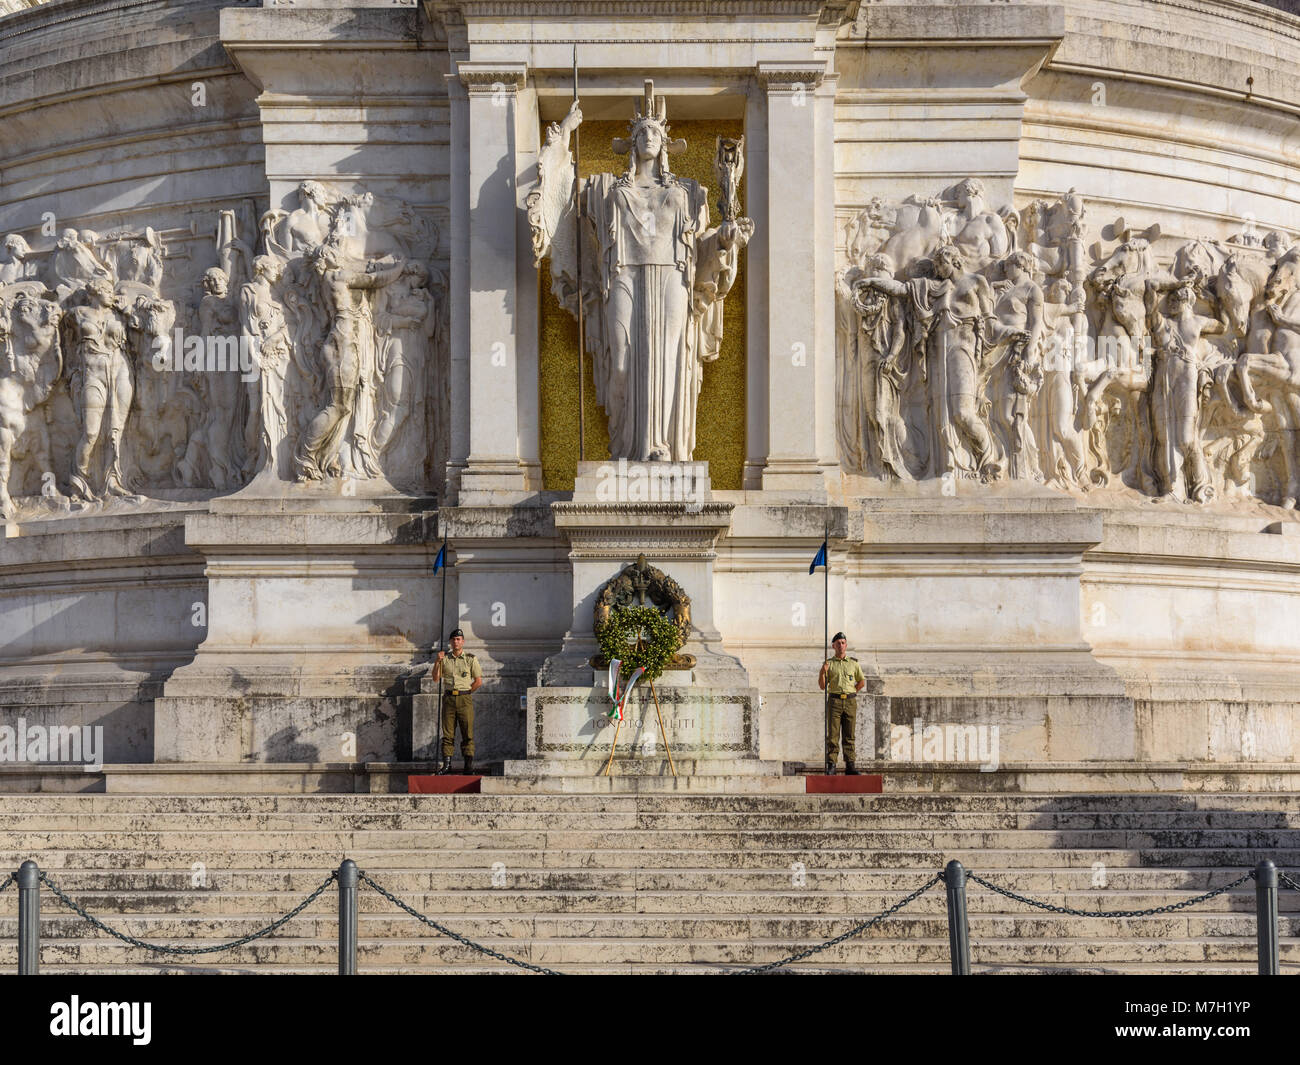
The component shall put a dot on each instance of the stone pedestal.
(313, 617)
(665, 511)
(710, 731)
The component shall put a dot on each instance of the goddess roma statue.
(652, 274)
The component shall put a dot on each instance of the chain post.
(1266, 917)
(348, 878)
(954, 879)
(29, 919)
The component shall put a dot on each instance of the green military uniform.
(458, 673)
(842, 676)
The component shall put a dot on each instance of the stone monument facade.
(1013, 319)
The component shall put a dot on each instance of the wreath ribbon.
(618, 694)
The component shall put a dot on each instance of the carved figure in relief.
(884, 362)
(1071, 383)
(1016, 371)
(15, 266)
(348, 351)
(35, 360)
(979, 233)
(100, 377)
(951, 310)
(162, 437)
(1277, 365)
(262, 322)
(1119, 283)
(75, 263)
(294, 234)
(138, 257)
(215, 452)
(651, 266)
(1182, 372)
(407, 318)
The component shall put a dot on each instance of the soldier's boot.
(469, 764)
(443, 769)
(850, 770)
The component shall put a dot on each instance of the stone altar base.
(711, 731)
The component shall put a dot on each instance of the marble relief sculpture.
(1028, 353)
(653, 275)
(123, 378)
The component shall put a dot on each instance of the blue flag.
(820, 560)
(441, 560)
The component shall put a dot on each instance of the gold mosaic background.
(720, 425)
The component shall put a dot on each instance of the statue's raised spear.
(577, 196)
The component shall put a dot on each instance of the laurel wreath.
(641, 637)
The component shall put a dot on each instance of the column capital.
(790, 77)
(491, 77)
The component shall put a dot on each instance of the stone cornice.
(471, 10)
(928, 24)
(487, 77)
(788, 77)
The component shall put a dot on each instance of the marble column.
(797, 204)
(494, 302)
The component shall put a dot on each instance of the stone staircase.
(651, 882)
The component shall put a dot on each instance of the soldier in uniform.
(460, 676)
(845, 679)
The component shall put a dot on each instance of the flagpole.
(442, 622)
(442, 612)
(826, 637)
(577, 197)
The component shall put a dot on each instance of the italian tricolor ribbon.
(618, 695)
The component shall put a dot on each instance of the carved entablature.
(994, 344)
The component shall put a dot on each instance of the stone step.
(709, 820)
(110, 905)
(209, 929)
(234, 840)
(805, 968)
(979, 860)
(440, 951)
(651, 882)
(525, 771)
(476, 882)
(955, 801)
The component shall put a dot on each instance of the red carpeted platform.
(863, 784)
(445, 785)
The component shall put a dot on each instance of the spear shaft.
(577, 196)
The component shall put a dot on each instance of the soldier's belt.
(843, 695)
(453, 691)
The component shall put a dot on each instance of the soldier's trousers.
(841, 718)
(458, 710)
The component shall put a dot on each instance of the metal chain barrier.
(856, 930)
(188, 950)
(1112, 913)
(363, 878)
